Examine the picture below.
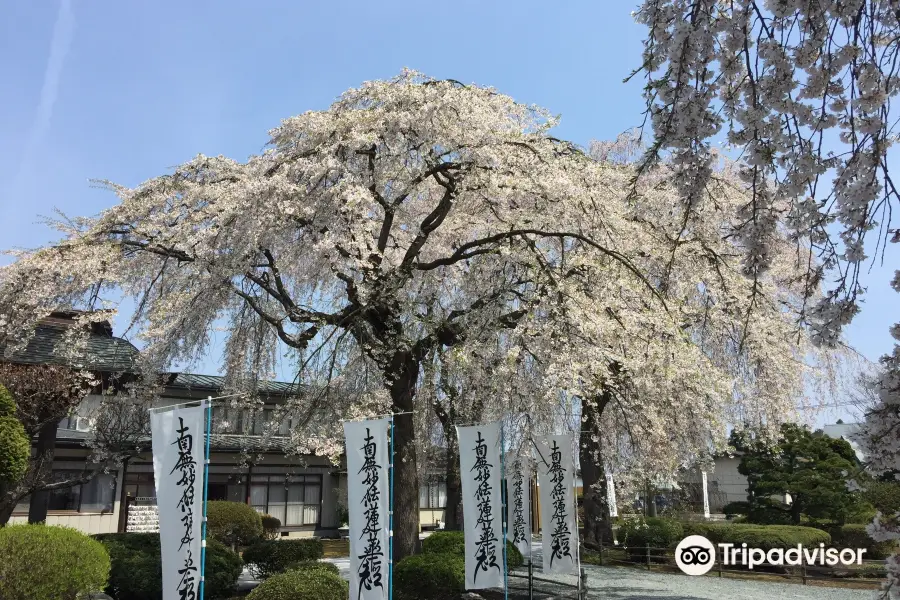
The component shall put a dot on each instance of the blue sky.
(126, 90)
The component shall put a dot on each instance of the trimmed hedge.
(271, 526)
(453, 542)
(43, 561)
(765, 537)
(275, 556)
(855, 536)
(233, 523)
(307, 584)
(315, 565)
(432, 576)
(656, 532)
(137, 568)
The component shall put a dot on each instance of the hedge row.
(765, 537)
(137, 568)
(271, 557)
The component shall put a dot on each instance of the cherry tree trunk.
(453, 510)
(406, 476)
(597, 522)
(46, 448)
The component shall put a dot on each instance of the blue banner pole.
(504, 494)
(391, 521)
(205, 496)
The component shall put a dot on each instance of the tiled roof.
(103, 353)
(216, 383)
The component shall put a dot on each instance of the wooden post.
(721, 561)
(648, 556)
(583, 592)
(601, 552)
(803, 571)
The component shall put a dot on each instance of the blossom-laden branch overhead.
(804, 91)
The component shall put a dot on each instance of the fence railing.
(535, 584)
(663, 559)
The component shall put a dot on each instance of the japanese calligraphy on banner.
(611, 496)
(518, 517)
(368, 501)
(705, 494)
(479, 457)
(556, 485)
(178, 467)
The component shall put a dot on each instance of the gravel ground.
(621, 583)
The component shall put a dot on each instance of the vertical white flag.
(556, 481)
(368, 498)
(178, 467)
(518, 509)
(705, 494)
(611, 496)
(479, 459)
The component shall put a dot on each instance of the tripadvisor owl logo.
(695, 555)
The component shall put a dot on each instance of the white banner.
(611, 496)
(368, 499)
(479, 459)
(556, 484)
(705, 494)
(518, 505)
(178, 467)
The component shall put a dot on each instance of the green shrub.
(655, 532)
(855, 536)
(433, 576)
(453, 542)
(759, 536)
(41, 561)
(271, 557)
(233, 523)
(271, 527)
(883, 496)
(137, 568)
(736, 508)
(315, 565)
(15, 447)
(307, 584)
(445, 542)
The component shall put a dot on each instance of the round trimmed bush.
(306, 584)
(233, 523)
(453, 542)
(657, 533)
(315, 565)
(43, 561)
(137, 567)
(435, 576)
(271, 526)
(271, 557)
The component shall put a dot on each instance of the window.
(294, 501)
(95, 496)
(140, 485)
(433, 495)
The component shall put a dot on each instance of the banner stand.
(504, 495)
(391, 520)
(203, 525)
